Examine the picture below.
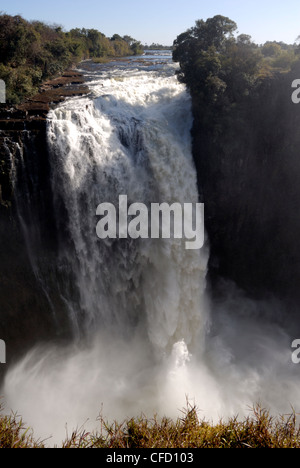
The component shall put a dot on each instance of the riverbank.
(32, 113)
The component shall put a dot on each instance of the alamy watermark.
(160, 221)
(2, 352)
(2, 92)
(296, 93)
(296, 352)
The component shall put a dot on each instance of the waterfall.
(145, 337)
(136, 306)
(132, 137)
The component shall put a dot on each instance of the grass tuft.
(14, 433)
(259, 430)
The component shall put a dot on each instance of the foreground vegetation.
(31, 52)
(259, 430)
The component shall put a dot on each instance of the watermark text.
(296, 352)
(296, 93)
(2, 352)
(2, 92)
(160, 221)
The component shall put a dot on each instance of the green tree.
(116, 37)
(198, 49)
(271, 49)
(214, 64)
(137, 48)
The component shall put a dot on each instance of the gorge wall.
(249, 178)
(25, 310)
(28, 246)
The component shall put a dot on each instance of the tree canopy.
(218, 66)
(31, 52)
(213, 62)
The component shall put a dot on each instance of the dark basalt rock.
(249, 180)
(27, 222)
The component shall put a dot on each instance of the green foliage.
(219, 67)
(279, 56)
(156, 46)
(137, 48)
(271, 49)
(216, 66)
(31, 52)
(223, 72)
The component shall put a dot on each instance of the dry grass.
(259, 430)
(14, 434)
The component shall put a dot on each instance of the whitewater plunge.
(142, 341)
(132, 138)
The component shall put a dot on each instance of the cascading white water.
(132, 138)
(140, 304)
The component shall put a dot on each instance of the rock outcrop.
(27, 220)
(249, 180)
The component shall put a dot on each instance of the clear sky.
(163, 20)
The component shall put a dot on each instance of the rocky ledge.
(31, 114)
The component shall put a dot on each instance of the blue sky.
(162, 20)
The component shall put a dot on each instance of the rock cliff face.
(249, 179)
(28, 246)
(25, 310)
